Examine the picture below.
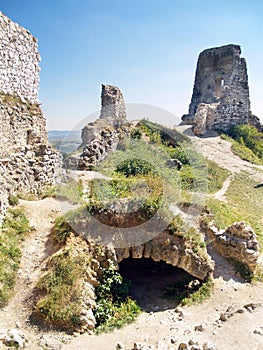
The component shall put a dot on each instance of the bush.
(189, 291)
(136, 134)
(113, 306)
(178, 153)
(13, 200)
(134, 166)
(242, 151)
(16, 222)
(61, 230)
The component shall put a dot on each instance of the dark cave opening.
(155, 286)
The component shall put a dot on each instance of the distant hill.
(65, 141)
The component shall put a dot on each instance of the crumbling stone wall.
(27, 161)
(238, 242)
(19, 70)
(112, 103)
(220, 96)
(174, 250)
(100, 138)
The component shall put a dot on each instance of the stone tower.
(27, 161)
(112, 103)
(220, 96)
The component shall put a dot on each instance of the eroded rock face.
(112, 103)
(220, 96)
(239, 242)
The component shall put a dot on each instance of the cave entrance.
(153, 284)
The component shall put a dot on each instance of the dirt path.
(35, 251)
(219, 150)
(161, 329)
(220, 195)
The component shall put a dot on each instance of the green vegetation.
(13, 200)
(114, 308)
(134, 166)
(71, 191)
(14, 228)
(193, 238)
(188, 291)
(47, 191)
(247, 143)
(160, 134)
(244, 204)
(200, 295)
(203, 175)
(61, 304)
(61, 230)
(242, 269)
(240, 150)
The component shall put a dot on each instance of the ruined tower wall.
(112, 103)
(101, 137)
(27, 161)
(19, 70)
(221, 94)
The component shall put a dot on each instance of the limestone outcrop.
(100, 138)
(220, 96)
(238, 242)
(27, 161)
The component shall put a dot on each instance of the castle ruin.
(101, 137)
(220, 96)
(27, 161)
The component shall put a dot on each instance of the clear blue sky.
(148, 48)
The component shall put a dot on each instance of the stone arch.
(173, 250)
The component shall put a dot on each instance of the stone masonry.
(100, 138)
(27, 161)
(238, 242)
(112, 103)
(220, 96)
(19, 70)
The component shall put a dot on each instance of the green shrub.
(188, 291)
(206, 176)
(113, 306)
(199, 295)
(134, 166)
(136, 133)
(13, 200)
(16, 222)
(61, 230)
(179, 153)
